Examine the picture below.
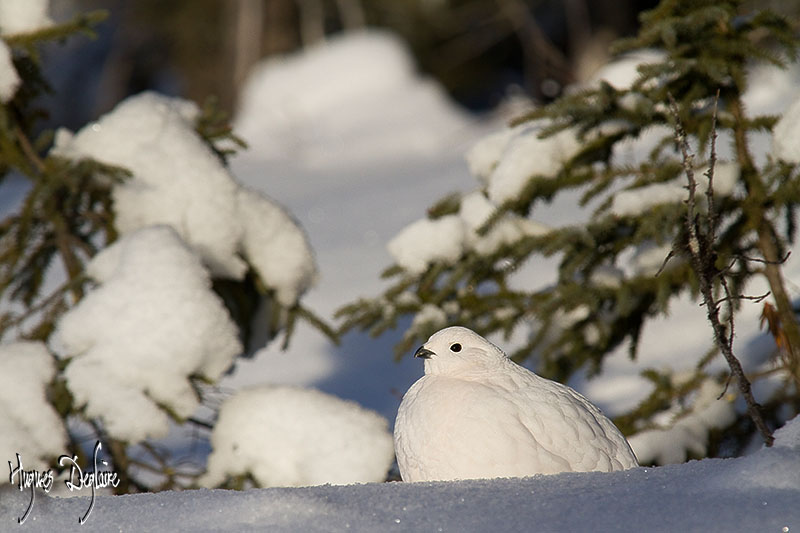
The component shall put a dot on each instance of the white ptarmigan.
(477, 414)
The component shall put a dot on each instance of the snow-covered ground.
(759, 492)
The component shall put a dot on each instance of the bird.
(476, 414)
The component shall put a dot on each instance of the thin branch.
(701, 250)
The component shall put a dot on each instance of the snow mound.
(28, 423)
(288, 436)
(369, 81)
(137, 338)
(23, 16)
(9, 79)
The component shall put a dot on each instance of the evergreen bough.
(709, 48)
(65, 218)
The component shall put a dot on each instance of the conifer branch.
(701, 252)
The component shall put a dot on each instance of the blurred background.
(479, 50)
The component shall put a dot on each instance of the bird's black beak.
(423, 352)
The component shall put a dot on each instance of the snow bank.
(346, 101)
(288, 436)
(150, 324)
(9, 79)
(699, 496)
(23, 16)
(28, 423)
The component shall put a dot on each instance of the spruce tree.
(66, 216)
(709, 47)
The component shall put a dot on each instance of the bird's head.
(457, 349)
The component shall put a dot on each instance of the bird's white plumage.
(477, 414)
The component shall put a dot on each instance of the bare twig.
(701, 251)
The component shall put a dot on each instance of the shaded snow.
(151, 323)
(289, 436)
(755, 493)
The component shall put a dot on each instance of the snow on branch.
(137, 340)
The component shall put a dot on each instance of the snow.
(754, 493)
(633, 202)
(426, 241)
(9, 79)
(527, 156)
(370, 107)
(28, 423)
(276, 246)
(786, 135)
(23, 16)
(475, 210)
(152, 322)
(290, 436)
(670, 445)
(177, 180)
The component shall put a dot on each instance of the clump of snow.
(9, 79)
(623, 72)
(444, 239)
(23, 16)
(429, 317)
(369, 82)
(475, 210)
(288, 436)
(786, 135)
(177, 180)
(136, 339)
(633, 202)
(28, 423)
(276, 246)
(425, 241)
(689, 433)
(482, 158)
(526, 156)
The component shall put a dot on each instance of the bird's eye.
(455, 347)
